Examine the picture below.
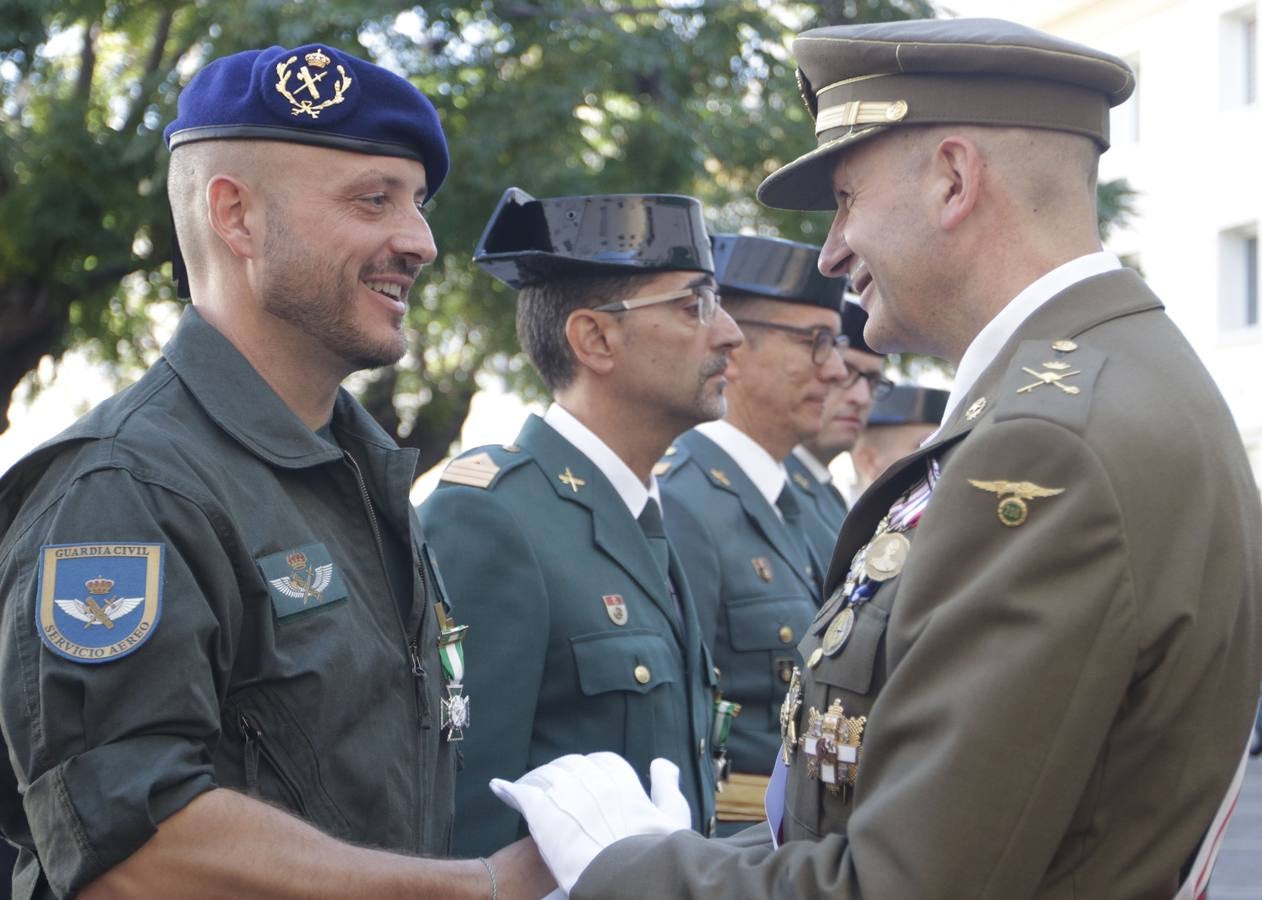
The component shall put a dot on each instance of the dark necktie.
(651, 524)
(792, 513)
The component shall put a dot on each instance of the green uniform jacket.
(318, 712)
(753, 585)
(1054, 709)
(532, 563)
(823, 508)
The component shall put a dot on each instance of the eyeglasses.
(877, 383)
(823, 341)
(707, 305)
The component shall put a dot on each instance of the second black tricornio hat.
(774, 268)
(528, 240)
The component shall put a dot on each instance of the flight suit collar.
(576, 479)
(239, 400)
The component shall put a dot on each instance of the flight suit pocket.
(632, 660)
(852, 668)
(279, 761)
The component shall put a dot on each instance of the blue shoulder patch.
(98, 602)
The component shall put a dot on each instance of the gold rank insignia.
(721, 477)
(762, 567)
(662, 467)
(1053, 377)
(1064, 346)
(309, 78)
(478, 470)
(1013, 510)
(801, 480)
(570, 480)
(976, 409)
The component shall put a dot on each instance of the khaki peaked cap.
(860, 80)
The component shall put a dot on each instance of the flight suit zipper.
(419, 674)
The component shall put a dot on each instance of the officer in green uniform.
(221, 624)
(583, 634)
(900, 422)
(740, 531)
(845, 416)
(1037, 665)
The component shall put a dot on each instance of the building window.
(1238, 278)
(1124, 119)
(1239, 57)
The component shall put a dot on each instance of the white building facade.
(1190, 143)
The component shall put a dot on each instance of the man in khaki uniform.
(1030, 678)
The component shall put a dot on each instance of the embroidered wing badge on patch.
(301, 579)
(98, 602)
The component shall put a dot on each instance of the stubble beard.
(313, 295)
(710, 402)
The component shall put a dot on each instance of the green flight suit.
(278, 663)
(753, 582)
(1055, 699)
(543, 561)
(823, 507)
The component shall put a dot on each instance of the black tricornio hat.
(774, 268)
(908, 404)
(853, 320)
(529, 240)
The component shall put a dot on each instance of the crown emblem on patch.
(296, 560)
(99, 586)
(318, 58)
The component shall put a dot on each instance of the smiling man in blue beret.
(227, 663)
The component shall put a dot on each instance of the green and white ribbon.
(724, 712)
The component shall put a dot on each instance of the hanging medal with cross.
(724, 712)
(455, 708)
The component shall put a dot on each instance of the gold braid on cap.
(808, 94)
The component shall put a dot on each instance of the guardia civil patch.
(98, 602)
(301, 579)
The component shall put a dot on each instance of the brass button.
(642, 674)
(786, 634)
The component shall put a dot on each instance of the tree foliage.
(554, 96)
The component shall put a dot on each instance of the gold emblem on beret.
(316, 102)
(1012, 510)
(976, 409)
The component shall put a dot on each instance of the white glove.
(577, 806)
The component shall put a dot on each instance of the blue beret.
(312, 95)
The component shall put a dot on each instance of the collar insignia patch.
(98, 602)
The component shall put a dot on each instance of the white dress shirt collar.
(766, 472)
(632, 491)
(813, 465)
(991, 339)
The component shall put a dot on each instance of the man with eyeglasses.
(582, 631)
(845, 416)
(740, 529)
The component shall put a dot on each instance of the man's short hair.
(544, 306)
